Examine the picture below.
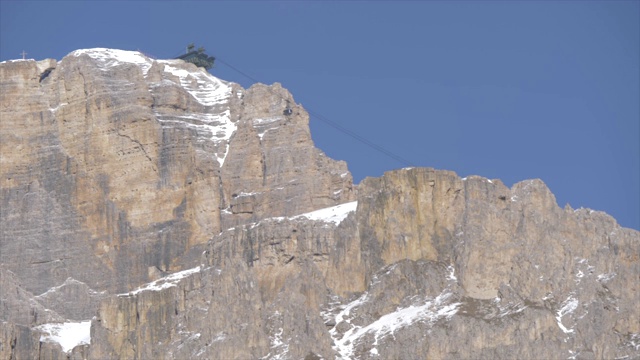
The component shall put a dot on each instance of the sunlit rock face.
(151, 210)
(115, 165)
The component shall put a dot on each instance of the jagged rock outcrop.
(117, 165)
(413, 287)
(154, 211)
(534, 278)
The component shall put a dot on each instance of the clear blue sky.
(508, 90)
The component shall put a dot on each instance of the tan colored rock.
(518, 258)
(119, 170)
(274, 168)
(116, 163)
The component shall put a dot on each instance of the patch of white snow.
(55, 109)
(68, 334)
(15, 60)
(606, 277)
(163, 283)
(207, 89)
(113, 57)
(430, 312)
(568, 306)
(334, 214)
(452, 273)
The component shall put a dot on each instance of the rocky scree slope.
(151, 210)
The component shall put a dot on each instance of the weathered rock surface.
(19, 306)
(115, 164)
(535, 280)
(175, 211)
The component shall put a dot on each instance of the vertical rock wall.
(166, 205)
(115, 165)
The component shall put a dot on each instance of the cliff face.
(118, 165)
(176, 212)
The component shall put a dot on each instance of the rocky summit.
(149, 210)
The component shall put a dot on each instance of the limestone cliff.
(177, 216)
(116, 165)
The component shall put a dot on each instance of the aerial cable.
(331, 123)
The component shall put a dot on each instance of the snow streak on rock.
(204, 87)
(262, 125)
(164, 283)
(213, 123)
(331, 215)
(568, 306)
(279, 346)
(334, 214)
(68, 334)
(429, 312)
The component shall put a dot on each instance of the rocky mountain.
(152, 211)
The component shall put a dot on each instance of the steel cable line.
(331, 123)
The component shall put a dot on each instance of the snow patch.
(207, 89)
(55, 109)
(263, 125)
(269, 120)
(606, 277)
(15, 60)
(219, 337)
(243, 194)
(68, 334)
(634, 341)
(334, 214)
(568, 306)
(276, 343)
(511, 309)
(163, 283)
(107, 58)
(278, 346)
(429, 312)
(452, 273)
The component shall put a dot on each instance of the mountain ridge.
(196, 219)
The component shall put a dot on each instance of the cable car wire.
(331, 123)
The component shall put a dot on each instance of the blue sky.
(508, 90)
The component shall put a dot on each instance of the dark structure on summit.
(198, 57)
